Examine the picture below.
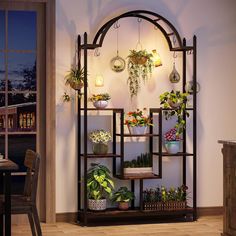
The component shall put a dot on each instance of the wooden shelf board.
(108, 155)
(139, 135)
(136, 212)
(138, 176)
(104, 109)
(177, 154)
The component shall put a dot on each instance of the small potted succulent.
(100, 139)
(99, 185)
(140, 65)
(100, 101)
(137, 122)
(123, 196)
(75, 78)
(172, 141)
(141, 165)
(175, 104)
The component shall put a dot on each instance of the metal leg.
(1, 225)
(7, 204)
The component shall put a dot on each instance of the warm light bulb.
(156, 58)
(99, 81)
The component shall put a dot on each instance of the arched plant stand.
(85, 217)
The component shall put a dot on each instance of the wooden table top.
(7, 165)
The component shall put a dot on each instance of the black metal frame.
(168, 31)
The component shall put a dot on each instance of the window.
(19, 96)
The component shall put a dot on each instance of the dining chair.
(26, 203)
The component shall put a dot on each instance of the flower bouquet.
(100, 139)
(137, 121)
(172, 141)
(100, 100)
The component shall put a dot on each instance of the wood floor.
(205, 226)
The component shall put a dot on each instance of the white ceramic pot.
(172, 147)
(97, 205)
(137, 129)
(100, 104)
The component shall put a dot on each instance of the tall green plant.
(175, 101)
(99, 183)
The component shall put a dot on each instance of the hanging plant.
(140, 65)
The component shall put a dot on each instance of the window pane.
(2, 29)
(22, 112)
(18, 144)
(22, 30)
(2, 72)
(21, 72)
(2, 112)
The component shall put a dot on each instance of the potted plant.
(172, 141)
(100, 101)
(123, 196)
(137, 122)
(141, 165)
(99, 185)
(140, 65)
(163, 199)
(100, 139)
(75, 78)
(175, 104)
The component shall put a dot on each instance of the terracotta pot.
(97, 205)
(123, 206)
(77, 86)
(138, 60)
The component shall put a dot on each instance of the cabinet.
(117, 155)
(229, 182)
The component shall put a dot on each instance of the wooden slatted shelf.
(138, 176)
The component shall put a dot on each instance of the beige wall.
(213, 22)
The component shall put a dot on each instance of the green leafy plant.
(164, 195)
(75, 78)
(100, 136)
(144, 160)
(175, 104)
(100, 97)
(99, 182)
(140, 65)
(138, 118)
(123, 195)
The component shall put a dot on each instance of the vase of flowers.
(100, 139)
(100, 101)
(172, 141)
(137, 122)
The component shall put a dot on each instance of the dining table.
(6, 168)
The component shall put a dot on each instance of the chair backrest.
(32, 161)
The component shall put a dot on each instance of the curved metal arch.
(101, 33)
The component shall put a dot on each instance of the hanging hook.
(96, 52)
(175, 55)
(139, 20)
(174, 39)
(116, 25)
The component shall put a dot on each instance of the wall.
(213, 22)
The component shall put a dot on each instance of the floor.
(205, 226)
